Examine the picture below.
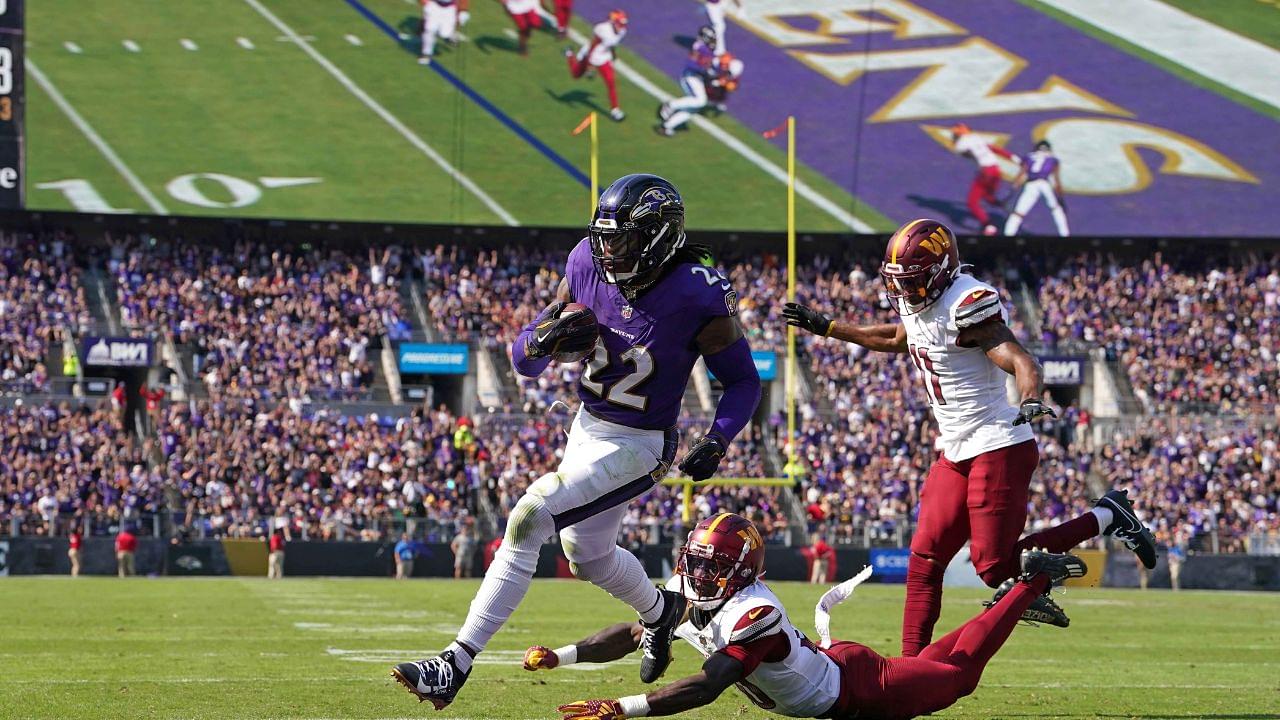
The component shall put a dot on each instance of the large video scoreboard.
(11, 105)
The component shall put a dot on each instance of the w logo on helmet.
(937, 242)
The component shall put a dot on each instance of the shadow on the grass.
(577, 98)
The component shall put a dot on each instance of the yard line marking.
(355, 40)
(1209, 50)
(484, 103)
(43, 81)
(282, 182)
(131, 46)
(803, 189)
(385, 114)
(189, 44)
(72, 47)
(245, 43)
(296, 38)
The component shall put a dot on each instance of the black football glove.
(554, 334)
(703, 458)
(1031, 409)
(806, 319)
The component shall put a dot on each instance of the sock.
(1105, 518)
(508, 578)
(621, 575)
(923, 603)
(1060, 219)
(1061, 537)
(461, 656)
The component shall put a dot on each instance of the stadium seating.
(1191, 332)
(251, 456)
(260, 320)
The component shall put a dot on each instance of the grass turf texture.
(322, 648)
(272, 111)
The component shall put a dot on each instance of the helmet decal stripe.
(901, 240)
(706, 534)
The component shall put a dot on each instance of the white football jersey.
(966, 389)
(608, 38)
(805, 684)
(520, 7)
(970, 144)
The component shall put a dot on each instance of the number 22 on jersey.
(620, 393)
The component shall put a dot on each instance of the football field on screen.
(318, 109)
(323, 648)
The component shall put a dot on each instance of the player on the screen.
(742, 630)
(527, 16)
(715, 18)
(659, 304)
(599, 54)
(704, 73)
(953, 328)
(1040, 170)
(987, 181)
(563, 13)
(440, 19)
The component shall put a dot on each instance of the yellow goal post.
(688, 484)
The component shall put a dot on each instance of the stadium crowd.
(1189, 331)
(70, 465)
(261, 320)
(251, 457)
(40, 298)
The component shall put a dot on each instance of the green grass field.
(311, 89)
(248, 648)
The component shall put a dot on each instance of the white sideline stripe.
(131, 46)
(72, 47)
(1238, 62)
(245, 43)
(354, 40)
(386, 115)
(768, 166)
(43, 81)
(189, 44)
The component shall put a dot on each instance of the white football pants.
(694, 99)
(439, 21)
(605, 466)
(1032, 191)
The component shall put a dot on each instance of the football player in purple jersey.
(1040, 172)
(659, 305)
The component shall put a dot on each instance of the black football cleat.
(1043, 610)
(1126, 526)
(655, 643)
(1058, 566)
(437, 679)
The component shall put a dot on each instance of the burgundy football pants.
(982, 501)
(873, 687)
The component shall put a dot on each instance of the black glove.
(703, 458)
(554, 335)
(1030, 409)
(806, 319)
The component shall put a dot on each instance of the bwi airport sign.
(1063, 370)
(117, 352)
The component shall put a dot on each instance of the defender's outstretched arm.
(890, 337)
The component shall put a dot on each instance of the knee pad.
(594, 570)
(530, 523)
